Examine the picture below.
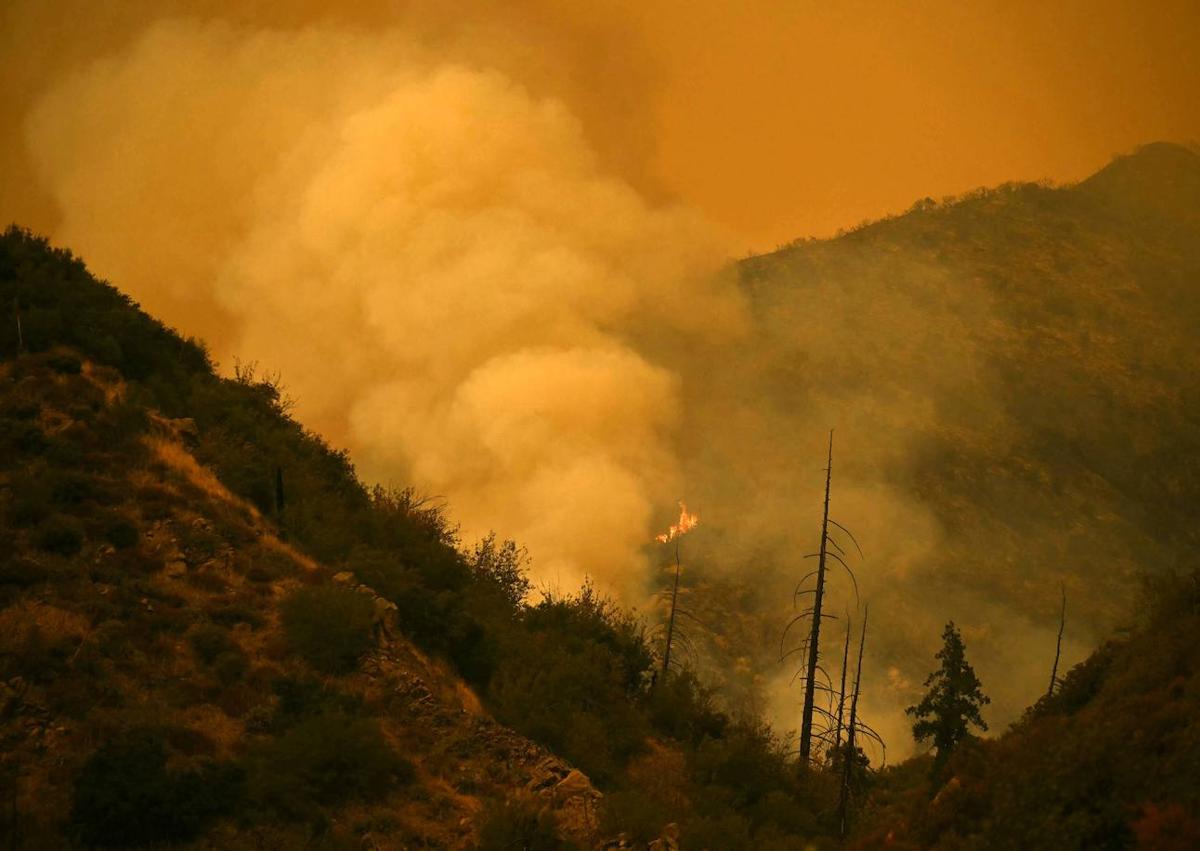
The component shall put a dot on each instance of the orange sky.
(777, 118)
(791, 118)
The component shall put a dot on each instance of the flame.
(687, 522)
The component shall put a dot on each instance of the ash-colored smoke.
(427, 232)
(432, 256)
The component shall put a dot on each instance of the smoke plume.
(432, 255)
(443, 235)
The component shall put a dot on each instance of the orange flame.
(687, 522)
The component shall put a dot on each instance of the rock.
(575, 783)
(547, 774)
(669, 841)
(345, 577)
(186, 428)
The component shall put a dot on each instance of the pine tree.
(953, 701)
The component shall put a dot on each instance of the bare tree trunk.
(851, 755)
(1062, 624)
(814, 639)
(671, 618)
(20, 338)
(837, 736)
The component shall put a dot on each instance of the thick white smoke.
(446, 278)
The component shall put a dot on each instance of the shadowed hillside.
(1109, 761)
(1012, 380)
(212, 634)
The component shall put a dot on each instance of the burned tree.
(852, 757)
(841, 710)
(20, 336)
(828, 550)
(686, 523)
(814, 638)
(1062, 624)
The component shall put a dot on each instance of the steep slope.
(171, 668)
(196, 556)
(1108, 762)
(1013, 380)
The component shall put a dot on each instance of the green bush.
(633, 812)
(35, 655)
(329, 627)
(71, 488)
(60, 535)
(571, 675)
(31, 498)
(299, 699)
(210, 641)
(237, 612)
(217, 649)
(20, 572)
(230, 667)
(125, 795)
(325, 760)
(121, 533)
(65, 364)
(519, 824)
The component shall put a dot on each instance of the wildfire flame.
(687, 522)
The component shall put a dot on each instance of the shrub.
(633, 812)
(21, 572)
(217, 649)
(236, 612)
(60, 535)
(125, 794)
(231, 666)
(305, 698)
(571, 675)
(325, 759)
(69, 488)
(121, 533)
(65, 364)
(329, 627)
(210, 641)
(30, 497)
(683, 709)
(519, 823)
(34, 655)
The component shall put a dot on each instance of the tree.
(829, 550)
(1055, 680)
(853, 761)
(687, 522)
(814, 638)
(953, 701)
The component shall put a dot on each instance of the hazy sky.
(793, 118)
(777, 118)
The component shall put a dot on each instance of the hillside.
(1108, 762)
(1012, 378)
(166, 654)
(215, 635)
(205, 616)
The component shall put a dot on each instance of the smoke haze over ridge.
(430, 254)
(463, 265)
